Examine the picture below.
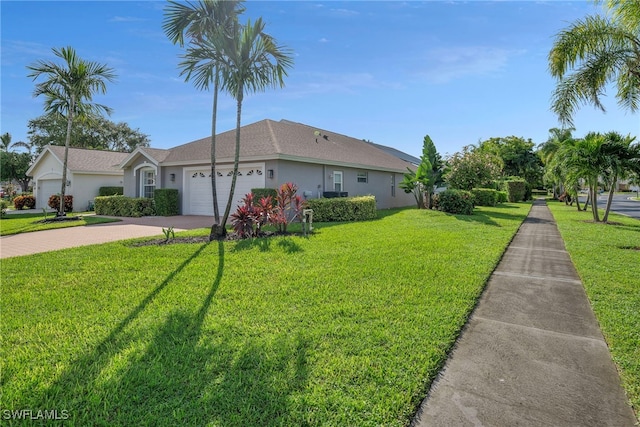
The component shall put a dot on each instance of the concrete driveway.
(128, 228)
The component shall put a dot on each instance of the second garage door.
(46, 188)
(198, 199)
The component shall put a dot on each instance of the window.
(393, 185)
(148, 184)
(337, 181)
(363, 177)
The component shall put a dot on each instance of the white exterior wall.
(85, 187)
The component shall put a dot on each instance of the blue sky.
(389, 72)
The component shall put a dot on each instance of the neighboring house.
(87, 171)
(271, 153)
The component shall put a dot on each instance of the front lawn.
(26, 222)
(346, 327)
(607, 258)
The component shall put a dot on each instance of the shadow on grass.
(186, 372)
(490, 217)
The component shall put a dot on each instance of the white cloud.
(126, 19)
(446, 64)
(323, 40)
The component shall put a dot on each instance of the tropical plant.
(620, 159)
(14, 166)
(203, 23)
(68, 89)
(553, 176)
(252, 62)
(289, 207)
(594, 52)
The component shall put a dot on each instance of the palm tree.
(203, 22)
(585, 160)
(252, 61)
(599, 51)
(547, 152)
(621, 159)
(5, 141)
(68, 90)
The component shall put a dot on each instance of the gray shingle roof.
(268, 139)
(81, 160)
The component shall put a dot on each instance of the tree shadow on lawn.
(185, 374)
(264, 244)
(489, 218)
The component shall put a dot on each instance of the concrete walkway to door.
(532, 353)
(128, 228)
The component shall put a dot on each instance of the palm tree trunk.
(217, 230)
(577, 197)
(236, 159)
(605, 218)
(594, 200)
(67, 142)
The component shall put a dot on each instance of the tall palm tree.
(598, 50)
(252, 62)
(68, 89)
(202, 23)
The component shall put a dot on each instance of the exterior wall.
(132, 176)
(319, 178)
(85, 187)
(164, 180)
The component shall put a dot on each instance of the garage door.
(199, 187)
(46, 188)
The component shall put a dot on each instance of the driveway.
(128, 228)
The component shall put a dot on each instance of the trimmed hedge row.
(110, 191)
(166, 201)
(358, 208)
(485, 196)
(259, 193)
(124, 206)
(516, 189)
(459, 202)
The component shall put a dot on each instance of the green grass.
(610, 271)
(25, 223)
(346, 327)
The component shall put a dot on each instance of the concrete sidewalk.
(128, 228)
(532, 353)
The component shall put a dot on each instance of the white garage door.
(46, 188)
(198, 183)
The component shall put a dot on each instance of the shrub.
(502, 197)
(110, 191)
(358, 208)
(166, 201)
(124, 206)
(288, 207)
(3, 208)
(54, 202)
(485, 196)
(259, 193)
(27, 201)
(516, 189)
(459, 202)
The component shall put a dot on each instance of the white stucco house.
(87, 171)
(272, 153)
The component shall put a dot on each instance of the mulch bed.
(57, 219)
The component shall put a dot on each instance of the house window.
(337, 181)
(363, 177)
(148, 184)
(393, 185)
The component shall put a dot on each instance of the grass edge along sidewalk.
(346, 327)
(606, 257)
(12, 224)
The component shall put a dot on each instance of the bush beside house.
(167, 202)
(124, 206)
(359, 208)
